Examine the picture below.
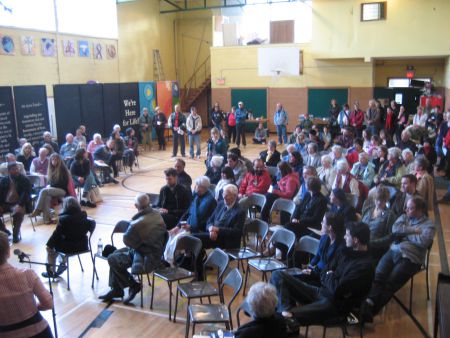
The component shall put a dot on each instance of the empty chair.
(281, 205)
(282, 239)
(192, 247)
(217, 260)
(255, 201)
(215, 313)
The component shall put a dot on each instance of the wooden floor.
(80, 313)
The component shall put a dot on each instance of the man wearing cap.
(241, 116)
(15, 197)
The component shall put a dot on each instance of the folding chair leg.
(188, 321)
(142, 292)
(428, 283)
(411, 294)
(68, 276)
(247, 271)
(324, 332)
(94, 272)
(176, 307)
(170, 300)
(153, 292)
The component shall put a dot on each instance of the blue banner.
(147, 96)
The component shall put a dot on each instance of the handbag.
(95, 196)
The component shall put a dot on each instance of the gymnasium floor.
(81, 314)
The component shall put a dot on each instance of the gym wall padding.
(254, 100)
(31, 112)
(67, 109)
(8, 136)
(319, 100)
(111, 107)
(129, 106)
(92, 108)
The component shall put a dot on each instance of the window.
(373, 11)
(400, 82)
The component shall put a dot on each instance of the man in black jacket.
(344, 283)
(309, 213)
(15, 197)
(174, 199)
(183, 177)
(271, 156)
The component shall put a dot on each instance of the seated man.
(11, 158)
(260, 135)
(413, 234)
(238, 166)
(144, 239)
(183, 177)
(313, 158)
(331, 242)
(173, 200)
(343, 284)
(68, 149)
(310, 211)
(224, 227)
(256, 181)
(407, 191)
(106, 156)
(271, 156)
(15, 197)
(47, 140)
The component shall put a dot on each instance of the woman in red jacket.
(286, 187)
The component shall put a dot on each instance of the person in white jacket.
(194, 129)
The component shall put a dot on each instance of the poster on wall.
(8, 136)
(27, 45)
(7, 46)
(147, 97)
(111, 52)
(68, 48)
(97, 50)
(31, 112)
(129, 105)
(83, 49)
(164, 96)
(48, 47)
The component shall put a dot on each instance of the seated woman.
(96, 143)
(295, 160)
(379, 218)
(70, 236)
(58, 187)
(341, 206)
(326, 172)
(82, 176)
(286, 187)
(23, 296)
(227, 177)
(262, 300)
(26, 156)
(260, 135)
(131, 148)
(214, 170)
(392, 170)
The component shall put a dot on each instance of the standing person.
(281, 120)
(159, 122)
(144, 240)
(146, 127)
(20, 312)
(15, 197)
(177, 122)
(194, 128)
(217, 116)
(241, 116)
(373, 117)
(334, 114)
(357, 119)
(231, 123)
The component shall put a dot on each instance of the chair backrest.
(190, 245)
(234, 281)
(93, 224)
(308, 244)
(120, 228)
(218, 259)
(272, 171)
(244, 204)
(257, 227)
(284, 237)
(153, 198)
(257, 200)
(283, 205)
(35, 180)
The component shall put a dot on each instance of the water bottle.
(99, 247)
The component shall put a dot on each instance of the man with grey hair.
(337, 154)
(47, 139)
(262, 300)
(68, 149)
(144, 240)
(313, 158)
(11, 158)
(271, 156)
(224, 227)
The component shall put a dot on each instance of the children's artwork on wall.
(97, 50)
(48, 47)
(111, 51)
(7, 45)
(27, 45)
(83, 49)
(68, 48)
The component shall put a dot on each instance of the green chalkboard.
(254, 100)
(319, 100)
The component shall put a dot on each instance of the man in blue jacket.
(241, 116)
(281, 120)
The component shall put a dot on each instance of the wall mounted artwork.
(27, 45)
(97, 50)
(7, 46)
(111, 51)
(68, 48)
(48, 47)
(83, 49)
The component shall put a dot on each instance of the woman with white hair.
(194, 219)
(215, 169)
(392, 170)
(326, 172)
(313, 157)
(408, 160)
(363, 170)
(95, 143)
(337, 152)
(344, 180)
(262, 300)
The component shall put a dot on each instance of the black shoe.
(83, 203)
(90, 204)
(16, 239)
(61, 269)
(132, 292)
(292, 326)
(113, 293)
(366, 312)
(49, 274)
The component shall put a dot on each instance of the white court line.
(162, 315)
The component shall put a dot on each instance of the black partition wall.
(67, 109)
(111, 107)
(92, 109)
(8, 137)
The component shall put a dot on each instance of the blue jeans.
(281, 132)
(194, 139)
